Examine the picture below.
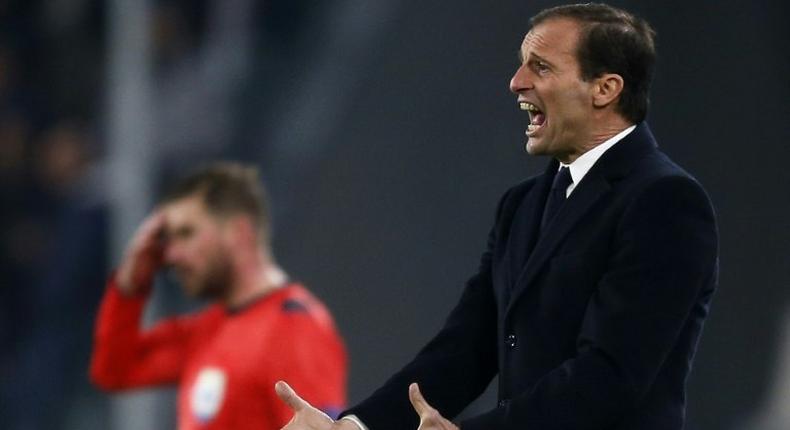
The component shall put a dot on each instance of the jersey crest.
(207, 393)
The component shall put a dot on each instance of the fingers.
(151, 227)
(143, 255)
(418, 401)
(430, 418)
(147, 235)
(289, 396)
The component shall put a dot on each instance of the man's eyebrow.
(520, 55)
(549, 63)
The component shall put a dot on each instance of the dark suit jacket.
(591, 324)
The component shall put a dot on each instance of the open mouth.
(536, 117)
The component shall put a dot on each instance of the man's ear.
(607, 89)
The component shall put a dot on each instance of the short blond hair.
(227, 188)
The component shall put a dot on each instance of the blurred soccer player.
(213, 231)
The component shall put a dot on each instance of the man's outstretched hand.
(430, 418)
(307, 417)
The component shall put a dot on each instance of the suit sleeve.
(659, 275)
(124, 356)
(454, 367)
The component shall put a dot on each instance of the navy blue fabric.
(293, 306)
(557, 196)
(591, 325)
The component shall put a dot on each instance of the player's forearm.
(116, 333)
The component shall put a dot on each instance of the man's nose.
(172, 254)
(520, 80)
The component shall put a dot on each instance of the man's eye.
(184, 233)
(539, 67)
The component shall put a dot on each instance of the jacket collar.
(613, 165)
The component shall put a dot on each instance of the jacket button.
(510, 340)
(503, 403)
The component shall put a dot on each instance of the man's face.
(550, 89)
(196, 248)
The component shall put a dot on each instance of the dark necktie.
(556, 196)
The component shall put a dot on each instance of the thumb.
(418, 401)
(289, 396)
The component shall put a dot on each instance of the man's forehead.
(533, 39)
(179, 204)
(557, 35)
(184, 209)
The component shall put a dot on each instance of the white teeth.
(532, 127)
(528, 107)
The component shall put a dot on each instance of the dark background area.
(386, 134)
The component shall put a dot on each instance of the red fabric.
(286, 335)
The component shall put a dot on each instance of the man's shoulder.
(657, 167)
(296, 299)
(638, 161)
(296, 303)
(656, 177)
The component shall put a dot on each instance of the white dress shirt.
(584, 163)
(355, 420)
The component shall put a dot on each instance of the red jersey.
(225, 362)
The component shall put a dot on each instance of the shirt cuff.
(355, 420)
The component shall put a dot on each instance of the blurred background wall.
(386, 134)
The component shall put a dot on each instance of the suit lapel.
(526, 227)
(613, 164)
(574, 209)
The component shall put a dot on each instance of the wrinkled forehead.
(557, 37)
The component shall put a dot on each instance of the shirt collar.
(584, 163)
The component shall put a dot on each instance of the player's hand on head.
(430, 418)
(306, 417)
(143, 256)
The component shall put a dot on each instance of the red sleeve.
(312, 359)
(124, 356)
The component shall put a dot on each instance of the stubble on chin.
(215, 283)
